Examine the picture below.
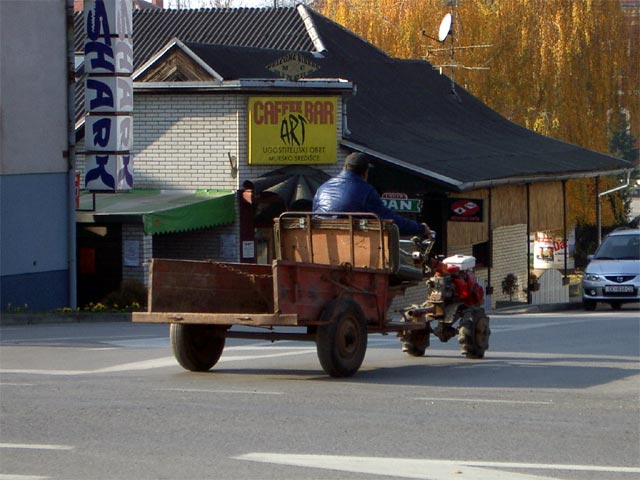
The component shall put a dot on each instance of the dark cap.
(357, 162)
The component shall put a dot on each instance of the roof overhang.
(467, 186)
(331, 85)
(159, 211)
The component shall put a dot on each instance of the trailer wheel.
(342, 343)
(416, 343)
(473, 333)
(197, 348)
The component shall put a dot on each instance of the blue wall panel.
(34, 292)
(34, 240)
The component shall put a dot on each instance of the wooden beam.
(249, 319)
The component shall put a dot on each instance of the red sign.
(465, 210)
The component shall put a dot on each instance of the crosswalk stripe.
(424, 468)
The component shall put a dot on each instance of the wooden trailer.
(333, 279)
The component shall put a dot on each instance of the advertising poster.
(549, 249)
(292, 130)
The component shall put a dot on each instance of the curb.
(12, 319)
(544, 308)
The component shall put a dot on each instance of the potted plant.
(510, 285)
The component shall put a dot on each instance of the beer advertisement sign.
(293, 130)
(465, 210)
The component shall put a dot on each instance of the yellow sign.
(293, 130)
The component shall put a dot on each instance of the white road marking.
(21, 477)
(203, 390)
(424, 469)
(484, 400)
(497, 327)
(35, 446)
(89, 338)
(154, 363)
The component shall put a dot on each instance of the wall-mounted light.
(233, 162)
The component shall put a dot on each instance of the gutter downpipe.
(565, 279)
(71, 156)
(599, 203)
(489, 292)
(529, 296)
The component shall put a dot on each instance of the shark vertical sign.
(108, 87)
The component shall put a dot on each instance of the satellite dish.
(445, 28)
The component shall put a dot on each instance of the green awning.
(160, 211)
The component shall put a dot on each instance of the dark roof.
(402, 111)
(274, 28)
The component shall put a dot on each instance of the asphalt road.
(557, 397)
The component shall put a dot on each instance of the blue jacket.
(349, 192)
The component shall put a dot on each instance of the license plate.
(619, 289)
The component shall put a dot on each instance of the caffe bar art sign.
(292, 130)
(108, 88)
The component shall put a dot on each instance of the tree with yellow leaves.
(563, 68)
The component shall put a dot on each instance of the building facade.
(193, 132)
(37, 225)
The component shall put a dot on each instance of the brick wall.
(413, 296)
(509, 256)
(219, 243)
(183, 142)
(135, 240)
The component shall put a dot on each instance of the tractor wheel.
(197, 347)
(415, 343)
(473, 333)
(342, 343)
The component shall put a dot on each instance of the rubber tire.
(416, 343)
(197, 348)
(342, 343)
(473, 333)
(589, 305)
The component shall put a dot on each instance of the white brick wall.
(219, 243)
(135, 233)
(413, 296)
(183, 142)
(509, 256)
